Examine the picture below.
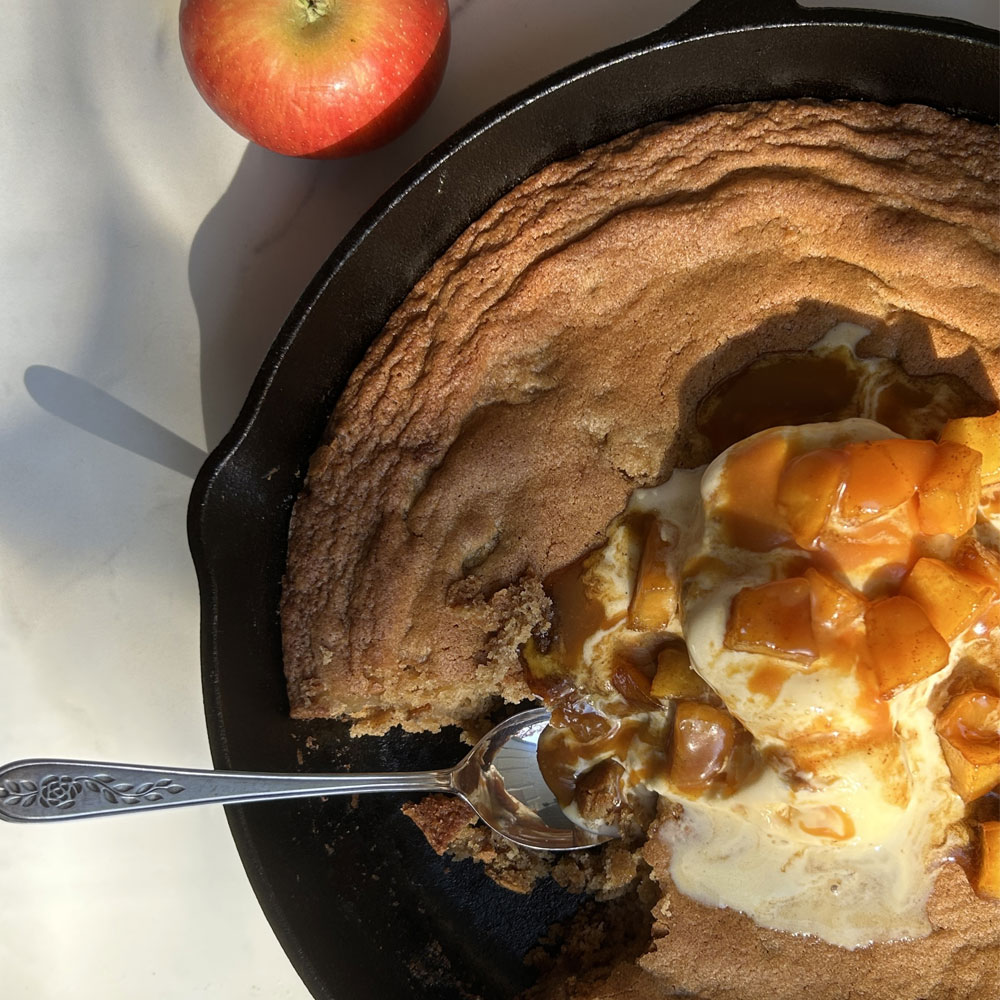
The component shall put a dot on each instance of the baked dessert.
(552, 362)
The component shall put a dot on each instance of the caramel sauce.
(830, 822)
(557, 765)
(778, 389)
(870, 704)
(803, 387)
(577, 615)
(768, 680)
(898, 400)
(563, 759)
(919, 406)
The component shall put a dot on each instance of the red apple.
(319, 78)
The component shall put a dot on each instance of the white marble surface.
(148, 257)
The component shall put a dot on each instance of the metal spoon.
(499, 778)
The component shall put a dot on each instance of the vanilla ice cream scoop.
(770, 642)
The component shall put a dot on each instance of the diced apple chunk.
(948, 497)
(600, 792)
(703, 740)
(632, 684)
(911, 459)
(988, 876)
(834, 607)
(543, 668)
(974, 558)
(969, 780)
(654, 598)
(904, 645)
(883, 475)
(808, 489)
(749, 485)
(971, 724)
(951, 599)
(674, 677)
(981, 434)
(774, 619)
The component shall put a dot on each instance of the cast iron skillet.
(361, 905)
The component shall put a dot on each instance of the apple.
(316, 78)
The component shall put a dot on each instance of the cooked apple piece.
(632, 684)
(989, 624)
(982, 434)
(750, 477)
(654, 598)
(904, 645)
(974, 558)
(988, 876)
(970, 722)
(911, 459)
(951, 599)
(833, 606)
(883, 475)
(703, 739)
(808, 489)
(743, 761)
(969, 780)
(674, 677)
(949, 495)
(600, 792)
(774, 619)
(543, 670)
(580, 718)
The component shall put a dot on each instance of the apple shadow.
(254, 254)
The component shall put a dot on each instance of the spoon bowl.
(499, 778)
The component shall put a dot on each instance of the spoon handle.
(65, 789)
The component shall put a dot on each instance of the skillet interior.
(358, 901)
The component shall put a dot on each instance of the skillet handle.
(710, 16)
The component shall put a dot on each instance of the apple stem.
(314, 9)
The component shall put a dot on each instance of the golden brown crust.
(450, 826)
(543, 366)
(442, 819)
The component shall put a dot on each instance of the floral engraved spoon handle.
(65, 789)
(500, 778)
